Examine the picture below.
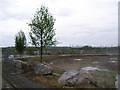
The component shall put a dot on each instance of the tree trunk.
(41, 47)
(41, 53)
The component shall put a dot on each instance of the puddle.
(94, 68)
(95, 62)
(77, 59)
(112, 61)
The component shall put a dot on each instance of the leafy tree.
(42, 29)
(20, 42)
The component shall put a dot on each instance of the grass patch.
(57, 74)
(113, 73)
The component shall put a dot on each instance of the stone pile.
(39, 68)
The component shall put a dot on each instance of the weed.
(57, 74)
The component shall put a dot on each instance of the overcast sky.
(78, 22)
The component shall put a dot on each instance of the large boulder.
(75, 77)
(42, 69)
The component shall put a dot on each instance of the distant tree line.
(65, 50)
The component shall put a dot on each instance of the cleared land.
(103, 68)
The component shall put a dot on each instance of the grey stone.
(75, 77)
(11, 57)
(17, 63)
(42, 69)
(10, 62)
(117, 84)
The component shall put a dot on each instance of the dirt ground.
(104, 67)
(10, 79)
(102, 62)
(105, 76)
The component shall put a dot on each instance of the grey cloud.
(6, 14)
(5, 3)
(7, 39)
(91, 28)
(71, 29)
(65, 12)
(53, 1)
(8, 11)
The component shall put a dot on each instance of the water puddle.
(94, 68)
(77, 59)
(112, 61)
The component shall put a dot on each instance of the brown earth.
(105, 79)
(69, 63)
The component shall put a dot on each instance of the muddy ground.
(102, 68)
(104, 75)
(77, 62)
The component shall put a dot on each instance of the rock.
(43, 69)
(27, 66)
(84, 77)
(11, 57)
(12, 62)
(15, 63)
(18, 64)
(75, 77)
(117, 80)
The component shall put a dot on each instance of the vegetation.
(57, 74)
(42, 29)
(20, 42)
(64, 50)
(31, 50)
